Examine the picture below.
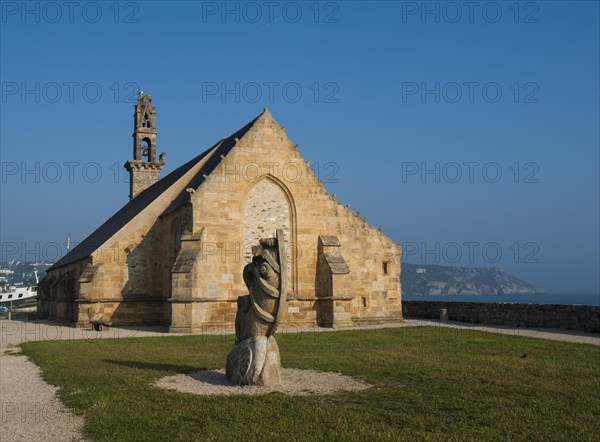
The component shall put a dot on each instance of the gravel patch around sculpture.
(294, 382)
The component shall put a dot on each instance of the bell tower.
(144, 169)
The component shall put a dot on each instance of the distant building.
(174, 254)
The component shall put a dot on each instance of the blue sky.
(498, 101)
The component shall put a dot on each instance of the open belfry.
(143, 169)
(175, 253)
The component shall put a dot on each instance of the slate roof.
(130, 210)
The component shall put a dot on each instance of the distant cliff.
(444, 280)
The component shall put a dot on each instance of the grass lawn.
(428, 383)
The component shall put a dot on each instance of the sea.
(526, 299)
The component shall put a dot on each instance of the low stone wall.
(570, 317)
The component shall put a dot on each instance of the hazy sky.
(468, 131)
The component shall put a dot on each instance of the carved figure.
(254, 360)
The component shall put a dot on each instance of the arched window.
(266, 210)
(146, 121)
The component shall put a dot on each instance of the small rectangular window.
(364, 302)
(385, 268)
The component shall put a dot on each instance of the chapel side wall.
(57, 294)
(134, 286)
(127, 286)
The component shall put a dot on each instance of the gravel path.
(293, 382)
(31, 410)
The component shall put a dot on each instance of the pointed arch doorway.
(269, 206)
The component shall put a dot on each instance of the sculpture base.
(254, 361)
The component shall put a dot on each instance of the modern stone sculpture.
(254, 360)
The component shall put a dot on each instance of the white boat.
(18, 292)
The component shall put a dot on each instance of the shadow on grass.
(156, 367)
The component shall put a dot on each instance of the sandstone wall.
(58, 292)
(570, 317)
(262, 184)
(142, 178)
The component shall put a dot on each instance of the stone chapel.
(174, 254)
